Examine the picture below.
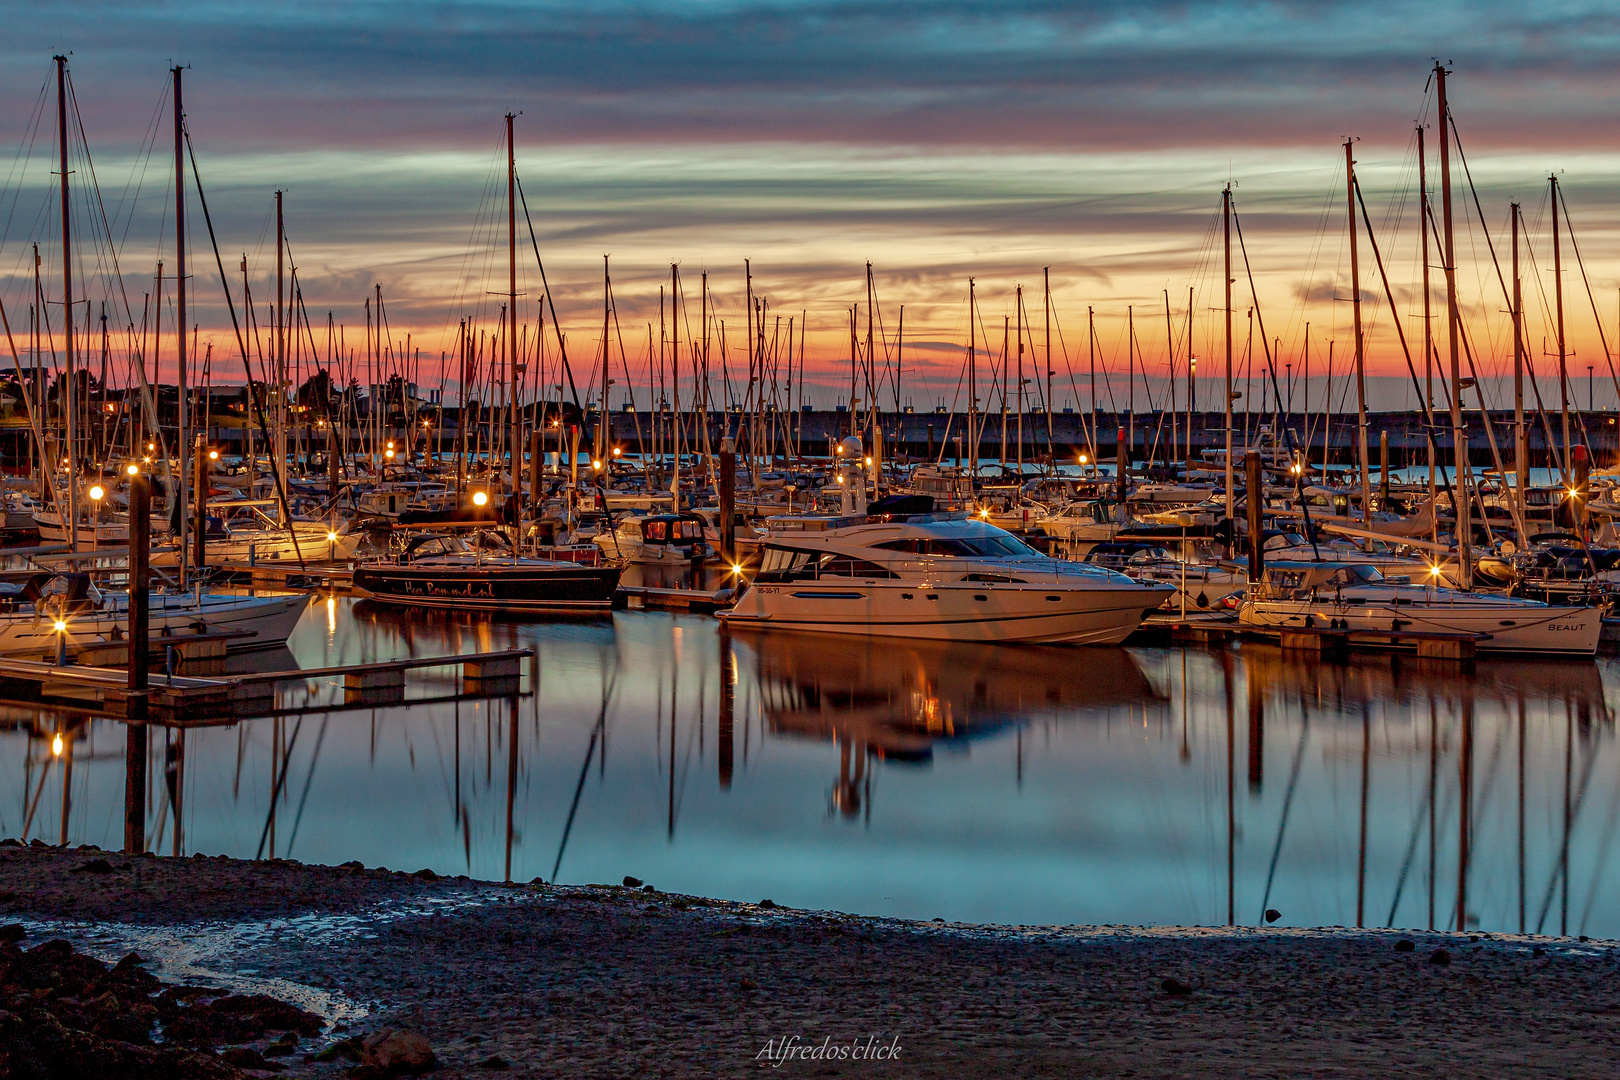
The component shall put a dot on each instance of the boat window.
(1359, 574)
(913, 547)
(847, 566)
(688, 530)
(1003, 546)
(779, 563)
(947, 548)
(656, 530)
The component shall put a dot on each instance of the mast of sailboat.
(675, 383)
(1226, 229)
(1360, 342)
(514, 440)
(1521, 463)
(1424, 217)
(180, 312)
(280, 383)
(1091, 349)
(1005, 361)
(67, 306)
(1130, 383)
(1018, 316)
(1558, 296)
(973, 386)
(1046, 315)
(1458, 441)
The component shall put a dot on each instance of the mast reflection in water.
(1005, 784)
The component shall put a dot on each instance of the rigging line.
(280, 786)
(24, 155)
(1288, 801)
(1596, 318)
(1554, 446)
(1271, 368)
(562, 341)
(1428, 413)
(253, 393)
(598, 734)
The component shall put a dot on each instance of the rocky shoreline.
(277, 968)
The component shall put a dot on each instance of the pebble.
(632, 882)
(1272, 915)
(1440, 957)
(1404, 945)
(1175, 987)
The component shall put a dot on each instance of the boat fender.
(1203, 600)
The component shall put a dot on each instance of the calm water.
(992, 784)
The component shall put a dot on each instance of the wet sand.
(613, 981)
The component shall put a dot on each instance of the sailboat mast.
(1558, 295)
(973, 385)
(67, 306)
(1046, 312)
(1360, 341)
(1018, 316)
(1521, 463)
(1226, 229)
(183, 418)
(514, 441)
(1458, 442)
(1425, 216)
(281, 354)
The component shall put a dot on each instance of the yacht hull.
(1512, 628)
(270, 619)
(952, 611)
(491, 587)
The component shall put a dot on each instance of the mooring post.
(1383, 469)
(199, 532)
(140, 541)
(1122, 468)
(728, 501)
(1256, 497)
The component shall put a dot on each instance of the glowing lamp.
(213, 455)
(61, 626)
(840, 479)
(596, 465)
(331, 538)
(389, 453)
(97, 493)
(480, 498)
(133, 469)
(56, 744)
(1083, 459)
(616, 451)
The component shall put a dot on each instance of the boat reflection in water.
(895, 701)
(990, 783)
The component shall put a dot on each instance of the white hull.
(951, 611)
(270, 619)
(1516, 627)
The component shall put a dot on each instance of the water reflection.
(1001, 784)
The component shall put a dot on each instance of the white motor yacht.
(937, 576)
(1355, 596)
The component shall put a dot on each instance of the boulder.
(397, 1053)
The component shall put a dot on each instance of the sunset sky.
(938, 141)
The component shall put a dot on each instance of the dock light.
(213, 455)
(97, 492)
(985, 513)
(1083, 459)
(331, 538)
(616, 451)
(1434, 571)
(838, 449)
(133, 469)
(56, 744)
(480, 498)
(389, 453)
(61, 627)
(151, 446)
(390, 444)
(597, 465)
(840, 479)
(1574, 493)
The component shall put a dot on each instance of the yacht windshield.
(1358, 574)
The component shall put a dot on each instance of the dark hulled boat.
(443, 571)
